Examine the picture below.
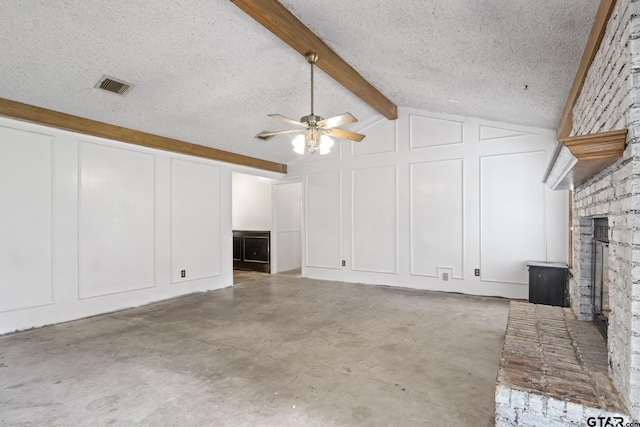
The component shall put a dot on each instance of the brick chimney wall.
(609, 101)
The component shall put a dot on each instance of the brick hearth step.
(554, 372)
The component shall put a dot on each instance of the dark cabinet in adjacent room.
(548, 283)
(251, 250)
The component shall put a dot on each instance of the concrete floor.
(271, 351)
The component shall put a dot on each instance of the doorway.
(266, 210)
(251, 221)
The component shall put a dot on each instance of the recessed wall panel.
(288, 225)
(437, 217)
(289, 254)
(380, 138)
(116, 220)
(195, 220)
(287, 199)
(374, 219)
(323, 220)
(431, 132)
(489, 133)
(512, 228)
(25, 228)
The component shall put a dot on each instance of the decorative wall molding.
(513, 222)
(440, 193)
(436, 218)
(382, 137)
(490, 133)
(374, 215)
(437, 132)
(110, 230)
(323, 216)
(21, 154)
(33, 167)
(193, 236)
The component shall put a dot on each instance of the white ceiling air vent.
(113, 85)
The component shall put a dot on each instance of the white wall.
(26, 231)
(430, 194)
(91, 225)
(251, 202)
(286, 237)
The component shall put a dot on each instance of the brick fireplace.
(610, 100)
(610, 196)
(605, 212)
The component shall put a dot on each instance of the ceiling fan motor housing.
(310, 120)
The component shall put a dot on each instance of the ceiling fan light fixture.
(311, 139)
(315, 128)
(298, 144)
(326, 142)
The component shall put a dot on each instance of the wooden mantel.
(578, 158)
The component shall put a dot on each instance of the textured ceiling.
(206, 73)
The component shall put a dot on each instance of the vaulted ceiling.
(205, 72)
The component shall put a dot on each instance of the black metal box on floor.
(251, 250)
(548, 283)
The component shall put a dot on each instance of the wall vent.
(114, 85)
(601, 229)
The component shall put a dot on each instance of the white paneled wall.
(286, 235)
(116, 220)
(437, 197)
(432, 132)
(323, 219)
(25, 219)
(491, 133)
(512, 215)
(91, 225)
(381, 138)
(374, 226)
(431, 194)
(195, 220)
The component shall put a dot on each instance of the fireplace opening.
(600, 285)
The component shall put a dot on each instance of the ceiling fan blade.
(266, 134)
(286, 119)
(335, 121)
(345, 134)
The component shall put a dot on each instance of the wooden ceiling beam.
(565, 126)
(42, 116)
(277, 19)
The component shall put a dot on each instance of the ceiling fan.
(315, 130)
